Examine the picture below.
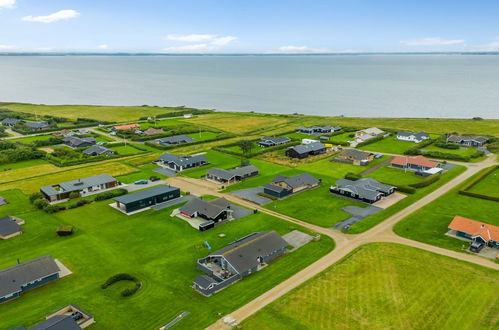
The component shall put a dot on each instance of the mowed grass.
(125, 150)
(390, 145)
(389, 286)
(429, 224)
(317, 206)
(23, 164)
(216, 159)
(161, 123)
(144, 172)
(461, 151)
(106, 113)
(396, 176)
(31, 139)
(239, 123)
(343, 137)
(31, 181)
(489, 185)
(159, 250)
(203, 136)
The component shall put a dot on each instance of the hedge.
(405, 189)
(373, 140)
(110, 194)
(352, 176)
(254, 153)
(481, 196)
(472, 183)
(123, 277)
(426, 182)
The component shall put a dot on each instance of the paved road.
(345, 243)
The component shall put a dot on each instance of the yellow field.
(106, 113)
(239, 123)
(33, 184)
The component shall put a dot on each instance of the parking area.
(134, 187)
(386, 202)
(165, 171)
(297, 239)
(358, 213)
(251, 194)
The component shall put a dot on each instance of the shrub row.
(373, 140)
(466, 189)
(417, 149)
(405, 189)
(257, 152)
(352, 176)
(447, 145)
(123, 277)
(481, 196)
(426, 182)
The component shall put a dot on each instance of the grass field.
(329, 212)
(395, 176)
(203, 136)
(161, 123)
(461, 151)
(390, 145)
(42, 175)
(23, 164)
(388, 286)
(106, 113)
(279, 157)
(239, 123)
(159, 250)
(144, 172)
(429, 224)
(125, 150)
(31, 139)
(489, 185)
(343, 137)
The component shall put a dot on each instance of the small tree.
(74, 195)
(245, 146)
(40, 203)
(33, 197)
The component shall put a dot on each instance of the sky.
(256, 26)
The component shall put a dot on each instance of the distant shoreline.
(239, 54)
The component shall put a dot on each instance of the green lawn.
(17, 203)
(161, 123)
(461, 151)
(144, 173)
(237, 149)
(300, 136)
(389, 286)
(125, 150)
(23, 164)
(31, 139)
(343, 137)
(489, 185)
(159, 250)
(389, 145)
(328, 214)
(216, 159)
(203, 136)
(374, 219)
(395, 176)
(102, 138)
(429, 224)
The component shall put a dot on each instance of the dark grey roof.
(366, 187)
(12, 278)
(209, 208)
(275, 140)
(74, 141)
(229, 174)
(8, 226)
(98, 150)
(297, 180)
(356, 154)
(204, 281)
(243, 253)
(274, 188)
(176, 139)
(37, 124)
(460, 139)
(10, 121)
(58, 322)
(306, 148)
(183, 160)
(130, 198)
(79, 184)
(418, 135)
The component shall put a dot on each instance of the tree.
(245, 146)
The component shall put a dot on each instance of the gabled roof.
(297, 181)
(229, 174)
(365, 137)
(183, 160)
(310, 147)
(209, 208)
(418, 135)
(275, 140)
(367, 188)
(414, 160)
(10, 121)
(97, 150)
(459, 139)
(76, 141)
(475, 228)
(37, 124)
(58, 322)
(176, 139)
(79, 184)
(372, 131)
(243, 253)
(140, 195)
(356, 154)
(12, 278)
(8, 226)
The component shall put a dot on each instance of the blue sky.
(222, 26)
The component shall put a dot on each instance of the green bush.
(110, 194)
(481, 196)
(406, 189)
(123, 277)
(34, 196)
(447, 145)
(426, 182)
(53, 208)
(352, 176)
(40, 203)
(373, 140)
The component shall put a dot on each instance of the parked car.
(378, 156)
(476, 246)
(142, 182)
(154, 178)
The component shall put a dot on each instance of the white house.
(412, 137)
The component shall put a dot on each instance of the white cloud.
(301, 50)
(191, 37)
(44, 49)
(7, 3)
(64, 14)
(433, 41)
(222, 41)
(104, 46)
(196, 48)
(4, 48)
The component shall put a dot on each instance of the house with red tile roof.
(126, 127)
(418, 163)
(475, 230)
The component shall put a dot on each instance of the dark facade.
(84, 186)
(146, 198)
(276, 191)
(305, 150)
